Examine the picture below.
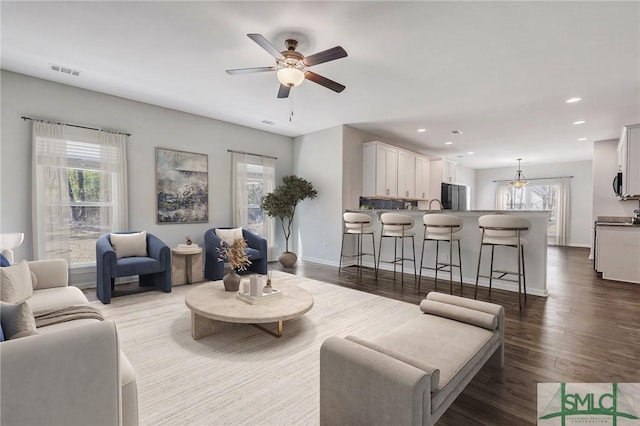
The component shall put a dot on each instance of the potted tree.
(282, 202)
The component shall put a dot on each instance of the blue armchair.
(256, 250)
(154, 270)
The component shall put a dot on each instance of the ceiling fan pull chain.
(290, 107)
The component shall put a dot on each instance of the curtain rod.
(74, 125)
(544, 178)
(249, 153)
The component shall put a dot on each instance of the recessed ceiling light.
(579, 122)
(582, 139)
(470, 152)
(422, 130)
(448, 143)
(573, 100)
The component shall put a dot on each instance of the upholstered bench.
(411, 375)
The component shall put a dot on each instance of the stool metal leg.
(373, 247)
(491, 269)
(450, 260)
(460, 267)
(475, 296)
(341, 251)
(422, 257)
(524, 275)
(436, 268)
(413, 246)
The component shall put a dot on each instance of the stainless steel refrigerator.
(454, 197)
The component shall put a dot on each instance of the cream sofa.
(411, 375)
(71, 373)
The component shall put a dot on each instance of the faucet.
(435, 199)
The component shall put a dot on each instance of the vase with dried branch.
(238, 260)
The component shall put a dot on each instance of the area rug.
(241, 375)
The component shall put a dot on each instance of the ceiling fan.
(291, 66)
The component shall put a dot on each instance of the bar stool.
(397, 226)
(442, 227)
(358, 224)
(506, 231)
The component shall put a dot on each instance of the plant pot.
(288, 259)
(231, 281)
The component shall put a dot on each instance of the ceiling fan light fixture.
(289, 76)
(519, 181)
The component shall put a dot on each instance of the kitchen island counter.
(535, 250)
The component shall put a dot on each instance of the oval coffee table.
(210, 303)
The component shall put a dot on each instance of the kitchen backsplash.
(380, 204)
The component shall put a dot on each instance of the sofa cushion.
(453, 347)
(16, 283)
(4, 261)
(229, 235)
(129, 245)
(17, 320)
(459, 313)
(414, 362)
(138, 266)
(57, 297)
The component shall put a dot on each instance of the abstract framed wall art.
(182, 186)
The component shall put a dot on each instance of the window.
(253, 177)
(80, 190)
(539, 194)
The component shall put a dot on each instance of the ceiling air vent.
(268, 122)
(64, 70)
(456, 132)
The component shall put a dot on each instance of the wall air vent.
(64, 70)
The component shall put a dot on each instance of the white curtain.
(268, 185)
(113, 162)
(246, 171)
(59, 150)
(239, 196)
(564, 185)
(51, 214)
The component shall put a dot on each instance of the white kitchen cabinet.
(629, 161)
(379, 170)
(423, 177)
(618, 251)
(442, 171)
(406, 174)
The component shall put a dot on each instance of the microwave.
(617, 184)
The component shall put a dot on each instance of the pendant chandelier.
(519, 181)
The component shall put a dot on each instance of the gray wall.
(318, 158)
(580, 224)
(150, 127)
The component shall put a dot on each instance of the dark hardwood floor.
(586, 331)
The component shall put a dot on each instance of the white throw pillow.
(15, 283)
(129, 245)
(229, 235)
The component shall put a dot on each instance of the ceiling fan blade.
(283, 91)
(325, 56)
(324, 81)
(266, 45)
(250, 70)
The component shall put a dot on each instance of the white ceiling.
(498, 71)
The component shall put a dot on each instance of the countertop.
(447, 211)
(616, 221)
